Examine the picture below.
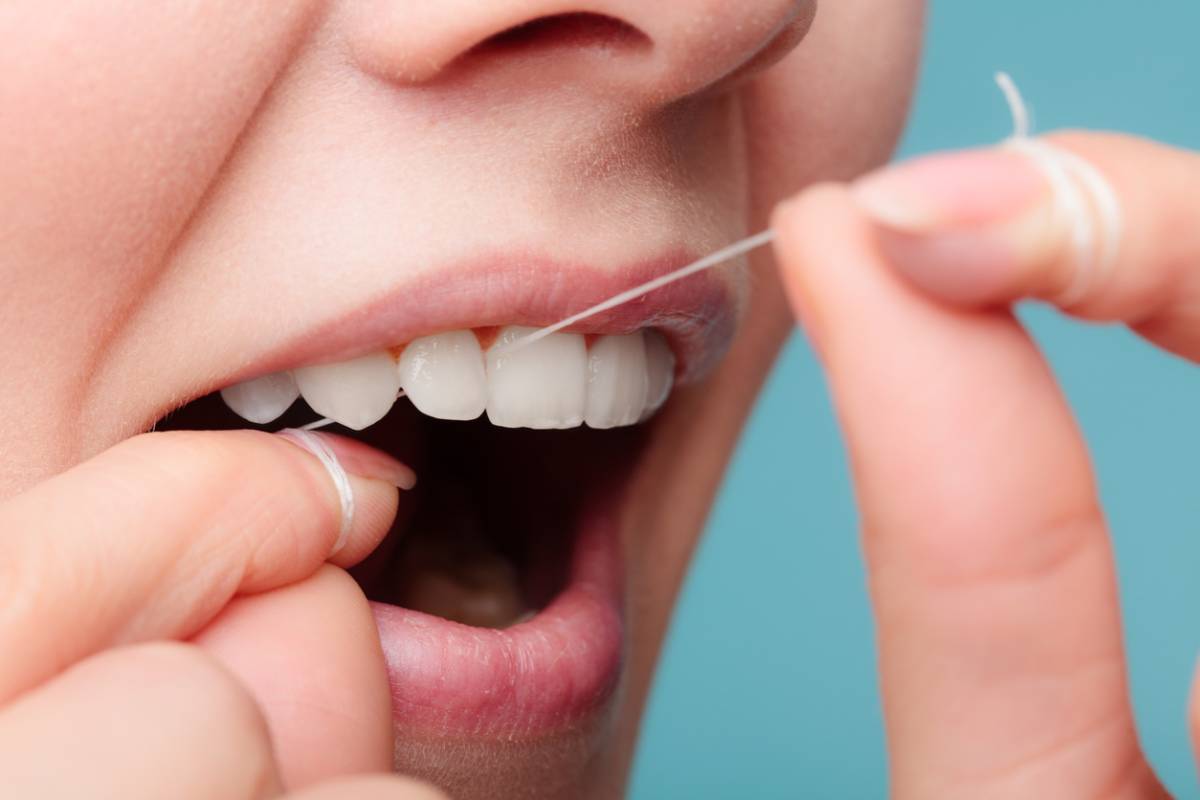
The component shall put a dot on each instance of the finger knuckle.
(959, 549)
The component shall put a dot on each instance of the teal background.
(767, 686)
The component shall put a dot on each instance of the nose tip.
(656, 50)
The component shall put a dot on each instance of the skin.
(991, 572)
(161, 169)
(138, 574)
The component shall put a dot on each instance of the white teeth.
(617, 380)
(542, 385)
(660, 372)
(263, 399)
(553, 383)
(356, 393)
(443, 375)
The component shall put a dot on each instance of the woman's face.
(193, 195)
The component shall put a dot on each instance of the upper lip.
(697, 315)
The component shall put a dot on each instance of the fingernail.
(960, 225)
(954, 190)
(367, 462)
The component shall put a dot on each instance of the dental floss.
(1077, 185)
(1016, 105)
(341, 481)
(1082, 196)
(726, 253)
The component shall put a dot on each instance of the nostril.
(571, 30)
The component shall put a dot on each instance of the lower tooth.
(263, 399)
(355, 393)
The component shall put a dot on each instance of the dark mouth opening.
(486, 536)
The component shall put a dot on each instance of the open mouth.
(498, 591)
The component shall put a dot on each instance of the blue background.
(767, 686)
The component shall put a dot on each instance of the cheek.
(836, 105)
(117, 114)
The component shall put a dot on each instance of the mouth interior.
(486, 536)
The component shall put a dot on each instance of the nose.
(653, 50)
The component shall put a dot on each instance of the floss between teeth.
(1082, 195)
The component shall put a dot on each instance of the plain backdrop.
(767, 686)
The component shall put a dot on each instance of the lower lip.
(536, 678)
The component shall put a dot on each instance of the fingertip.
(798, 221)
(788, 216)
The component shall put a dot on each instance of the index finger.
(153, 537)
(991, 574)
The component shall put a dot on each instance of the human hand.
(173, 623)
(991, 572)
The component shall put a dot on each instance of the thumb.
(1101, 225)
(152, 538)
(333, 716)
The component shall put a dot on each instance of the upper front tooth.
(356, 393)
(542, 385)
(262, 399)
(443, 375)
(617, 380)
(660, 371)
